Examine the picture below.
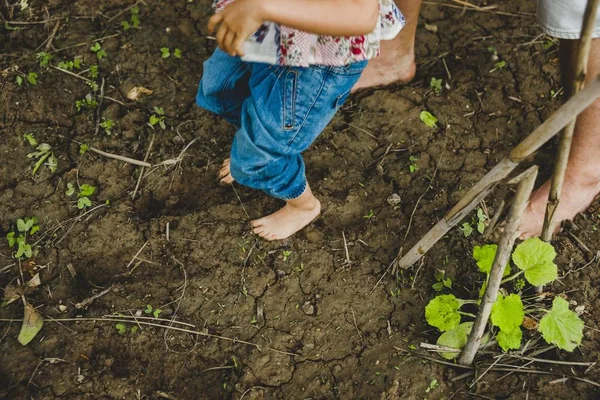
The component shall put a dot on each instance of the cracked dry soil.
(210, 271)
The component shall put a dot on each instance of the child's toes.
(258, 230)
(227, 180)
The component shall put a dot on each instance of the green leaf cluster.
(18, 238)
(428, 119)
(43, 154)
(134, 20)
(85, 190)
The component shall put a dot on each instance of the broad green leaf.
(32, 323)
(455, 338)
(156, 313)
(561, 326)
(510, 339)
(485, 255)
(30, 139)
(86, 190)
(70, 189)
(428, 119)
(466, 229)
(25, 225)
(536, 258)
(83, 202)
(507, 312)
(121, 329)
(438, 286)
(10, 237)
(442, 312)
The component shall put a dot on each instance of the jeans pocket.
(290, 94)
(341, 99)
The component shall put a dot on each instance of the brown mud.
(210, 271)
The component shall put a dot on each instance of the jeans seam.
(293, 99)
(310, 108)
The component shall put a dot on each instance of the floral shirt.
(278, 44)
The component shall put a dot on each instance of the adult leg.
(582, 178)
(396, 63)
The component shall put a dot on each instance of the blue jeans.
(278, 110)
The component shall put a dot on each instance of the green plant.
(154, 311)
(369, 215)
(177, 53)
(43, 58)
(83, 148)
(30, 139)
(134, 20)
(534, 260)
(441, 281)
(107, 124)
(436, 85)
(18, 238)
(466, 229)
(43, 154)
(19, 80)
(428, 119)
(286, 255)
(498, 65)
(165, 52)
(94, 71)
(158, 118)
(32, 78)
(413, 167)
(121, 329)
(100, 53)
(482, 220)
(83, 196)
(88, 103)
(69, 65)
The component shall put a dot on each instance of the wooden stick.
(527, 147)
(562, 158)
(505, 247)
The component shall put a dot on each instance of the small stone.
(431, 28)
(394, 199)
(308, 308)
(62, 308)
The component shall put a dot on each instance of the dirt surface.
(196, 259)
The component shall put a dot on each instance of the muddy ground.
(199, 263)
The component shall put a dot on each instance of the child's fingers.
(238, 45)
(214, 21)
(228, 43)
(221, 32)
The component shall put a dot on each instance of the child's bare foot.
(295, 215)
(224, 175)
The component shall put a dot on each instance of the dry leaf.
(12, 293)
(530, 324)
(137, 92)
(32, 323)
(35, 281)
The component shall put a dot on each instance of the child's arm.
(324, 17)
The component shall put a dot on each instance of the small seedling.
(158, 118)
(100, 53)
(441, 281)
(44, 58)
(30, 139)
(70, 65)
(94, 86)
(32, 78)
(107, 124)
(43, 155)
(466, 229)
(19, 80)
(134, 21)
(286, 255)
(18, 237)
(499, 65)
(177, 53)
(428, 119)
(369, 215)
(88, 103)
(154, 311)
(83, 148)
(121, 329)
(165, 52)
(436, 85)
(413, 167)
(300, 268)
(83, 197)
(432, 385)
(482, 220)
(94, 71)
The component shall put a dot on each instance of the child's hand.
(236, 23)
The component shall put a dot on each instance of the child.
(283, 69)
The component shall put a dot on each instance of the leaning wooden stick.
(507, 241)
(527, 147)
(562, 158)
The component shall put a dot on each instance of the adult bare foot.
(224, 175)
(394, 65)
(295, 215)
(577, 195)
